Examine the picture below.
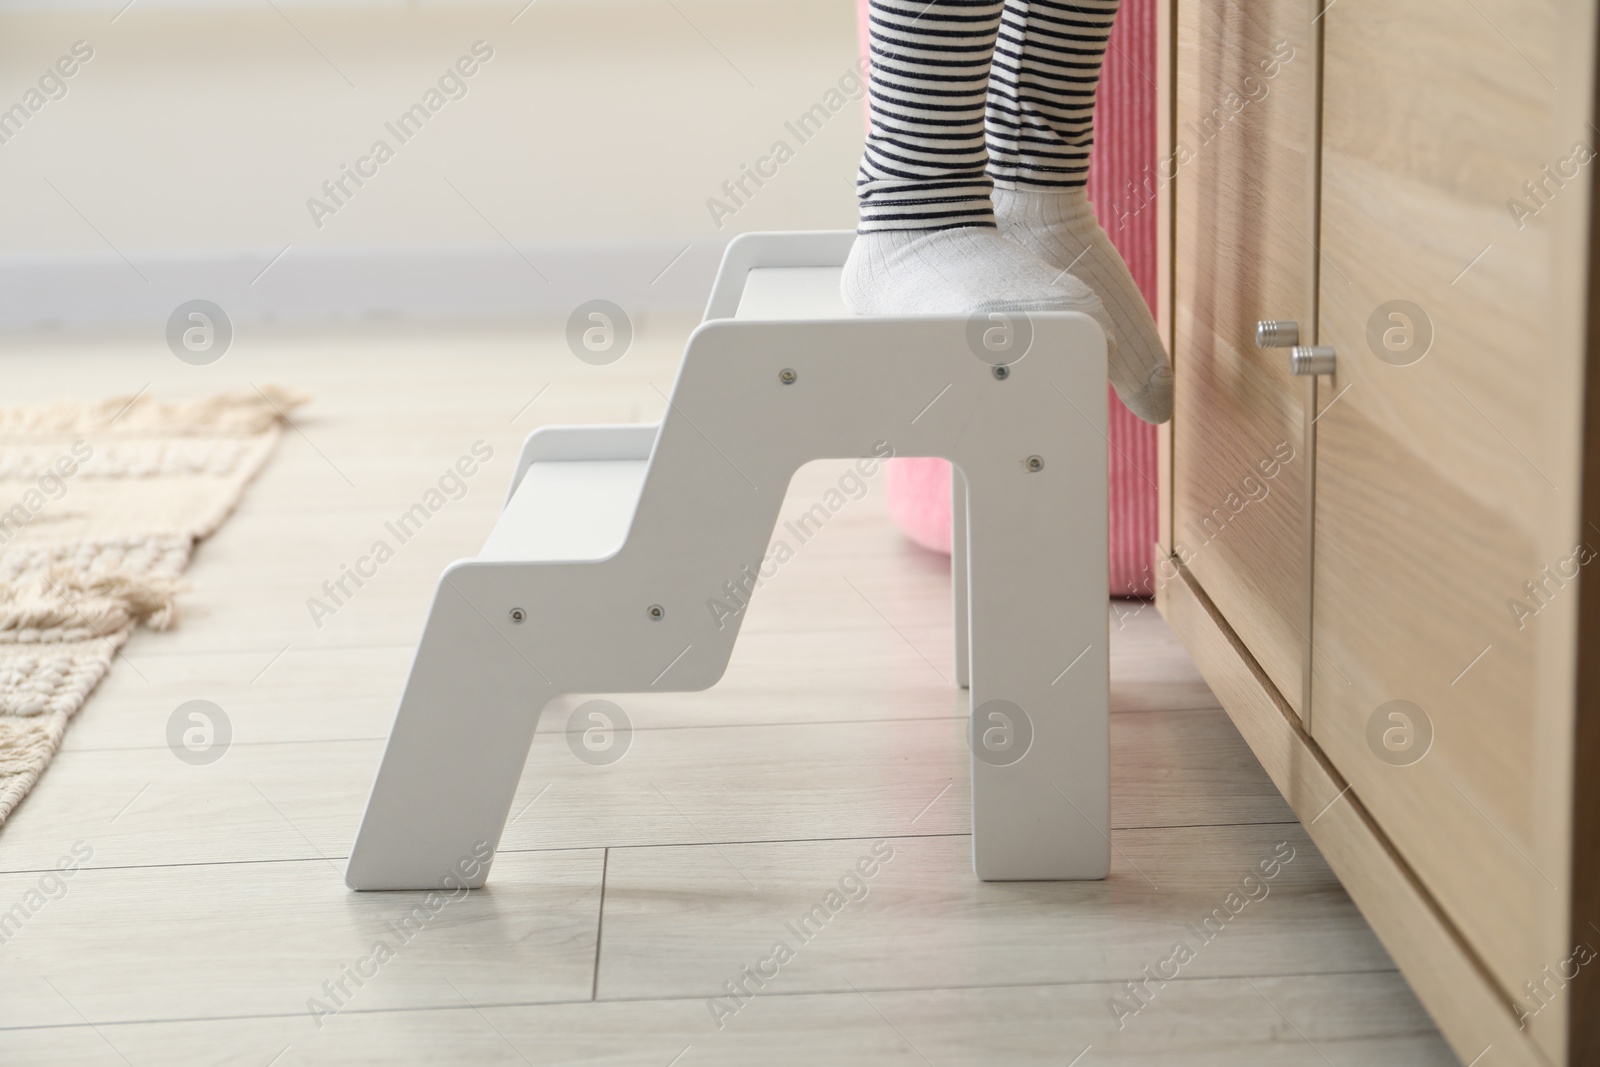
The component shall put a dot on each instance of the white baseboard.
(310, 286)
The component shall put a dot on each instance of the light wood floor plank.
(305, 693)
(683, 921)
(262, 938)
(1347, 1020)
(141, 807)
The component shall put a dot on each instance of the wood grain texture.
(1243, 227)
(682, 921)
(218, 939)
(1447, 477)
(1583, 1018)
(1454, 984)
(1291, 1021)
(341, 694)
(675, 785)
(1166, 147)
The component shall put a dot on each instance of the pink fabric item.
(1120, 185)
(918, 489)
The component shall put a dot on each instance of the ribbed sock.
(1040, 129)
(1058, 225)
(957, 271)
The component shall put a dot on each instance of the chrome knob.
(1312, 359)
(1273, 334)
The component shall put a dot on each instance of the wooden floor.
(211, 923)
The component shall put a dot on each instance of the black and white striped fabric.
(924, 162)
(942, 129)
(1042, 90)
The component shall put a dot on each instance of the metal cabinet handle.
(1271, 333)
(1312, 359)
(1303, 359)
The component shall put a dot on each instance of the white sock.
(1059, 226)
(956, 272)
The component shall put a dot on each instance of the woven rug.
(100, 505)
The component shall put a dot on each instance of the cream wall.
(202, 129)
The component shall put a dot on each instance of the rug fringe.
(68, 605)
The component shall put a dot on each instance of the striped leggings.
(967, 94)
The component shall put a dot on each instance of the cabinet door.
(1243, 222)
(1455, 189)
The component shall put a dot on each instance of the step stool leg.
(1040, 686)
(958, 571)
(455, 755)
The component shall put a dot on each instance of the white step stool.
(597, 576)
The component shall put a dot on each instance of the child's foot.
(958, 271)
(1059, 227)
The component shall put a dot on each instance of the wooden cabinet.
(1245, 156)
(1441, 463)
(1406, 632)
